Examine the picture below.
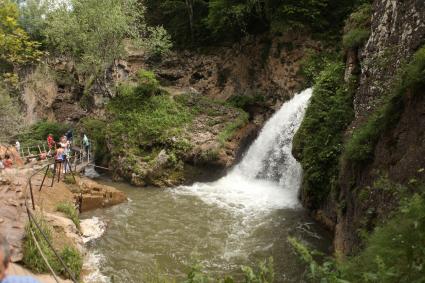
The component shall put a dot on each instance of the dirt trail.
(12, 203)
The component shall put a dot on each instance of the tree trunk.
(189, 6)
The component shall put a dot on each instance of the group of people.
(62, 149)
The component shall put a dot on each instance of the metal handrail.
(33, 223)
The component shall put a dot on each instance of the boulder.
(95, 195)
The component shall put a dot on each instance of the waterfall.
(268, 177)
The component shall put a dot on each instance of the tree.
(92, 32)
(183, 19)
(33, 17)
(16, 48)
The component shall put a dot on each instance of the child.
(8, 163)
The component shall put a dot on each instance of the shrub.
(231, 127)
(393, 253)
(313, 64)
(69, 179)
(245, 101)
(355, 38)
(318, 142)
(357, 27)
(159, 42)
(70, 211)
(33, 259)
(73, 260)
(360, 147)
(31, 256)
(38, 132)
(147, 79)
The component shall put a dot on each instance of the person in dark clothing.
(69, 135)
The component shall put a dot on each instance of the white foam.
(91, 265)
(92, 228)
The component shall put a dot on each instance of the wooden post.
(54, 173)
(32, 196)
(44, 178)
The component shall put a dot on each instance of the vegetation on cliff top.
(318, 142)
(357, 27)
(144, 120)
(201, 21)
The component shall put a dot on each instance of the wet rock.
(95, 195)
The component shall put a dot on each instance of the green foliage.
(357, 27)
(360, 147)
(183, 19)
(70, 211)
(355, 38)
(73, 260)
(159, 42)
(202, 21)
(147, 118)
(325, 272)
(33, 17)
(231, 127)
(145, 78)
(16, 48)
(393, 253)
(313, 63)
(69, 179)
(38, 132)
(318, 142)
(31, 256)
(246, 101)
(93, 32)
(262, 273)
(34, 261)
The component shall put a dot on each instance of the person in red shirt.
(50, 142)
(7, 162)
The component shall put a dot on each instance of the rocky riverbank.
(64, 230)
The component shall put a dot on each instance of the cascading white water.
(268, 177)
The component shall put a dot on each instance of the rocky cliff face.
(368, 193)
(397, 31)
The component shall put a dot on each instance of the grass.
(410, 80)
(313, 63)
(319, 141)
(357, 27)
(69, 179)
(231, 127)
(70, 211)
(33, 260)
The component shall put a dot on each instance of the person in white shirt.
(18, 146)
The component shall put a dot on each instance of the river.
(240, 219)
